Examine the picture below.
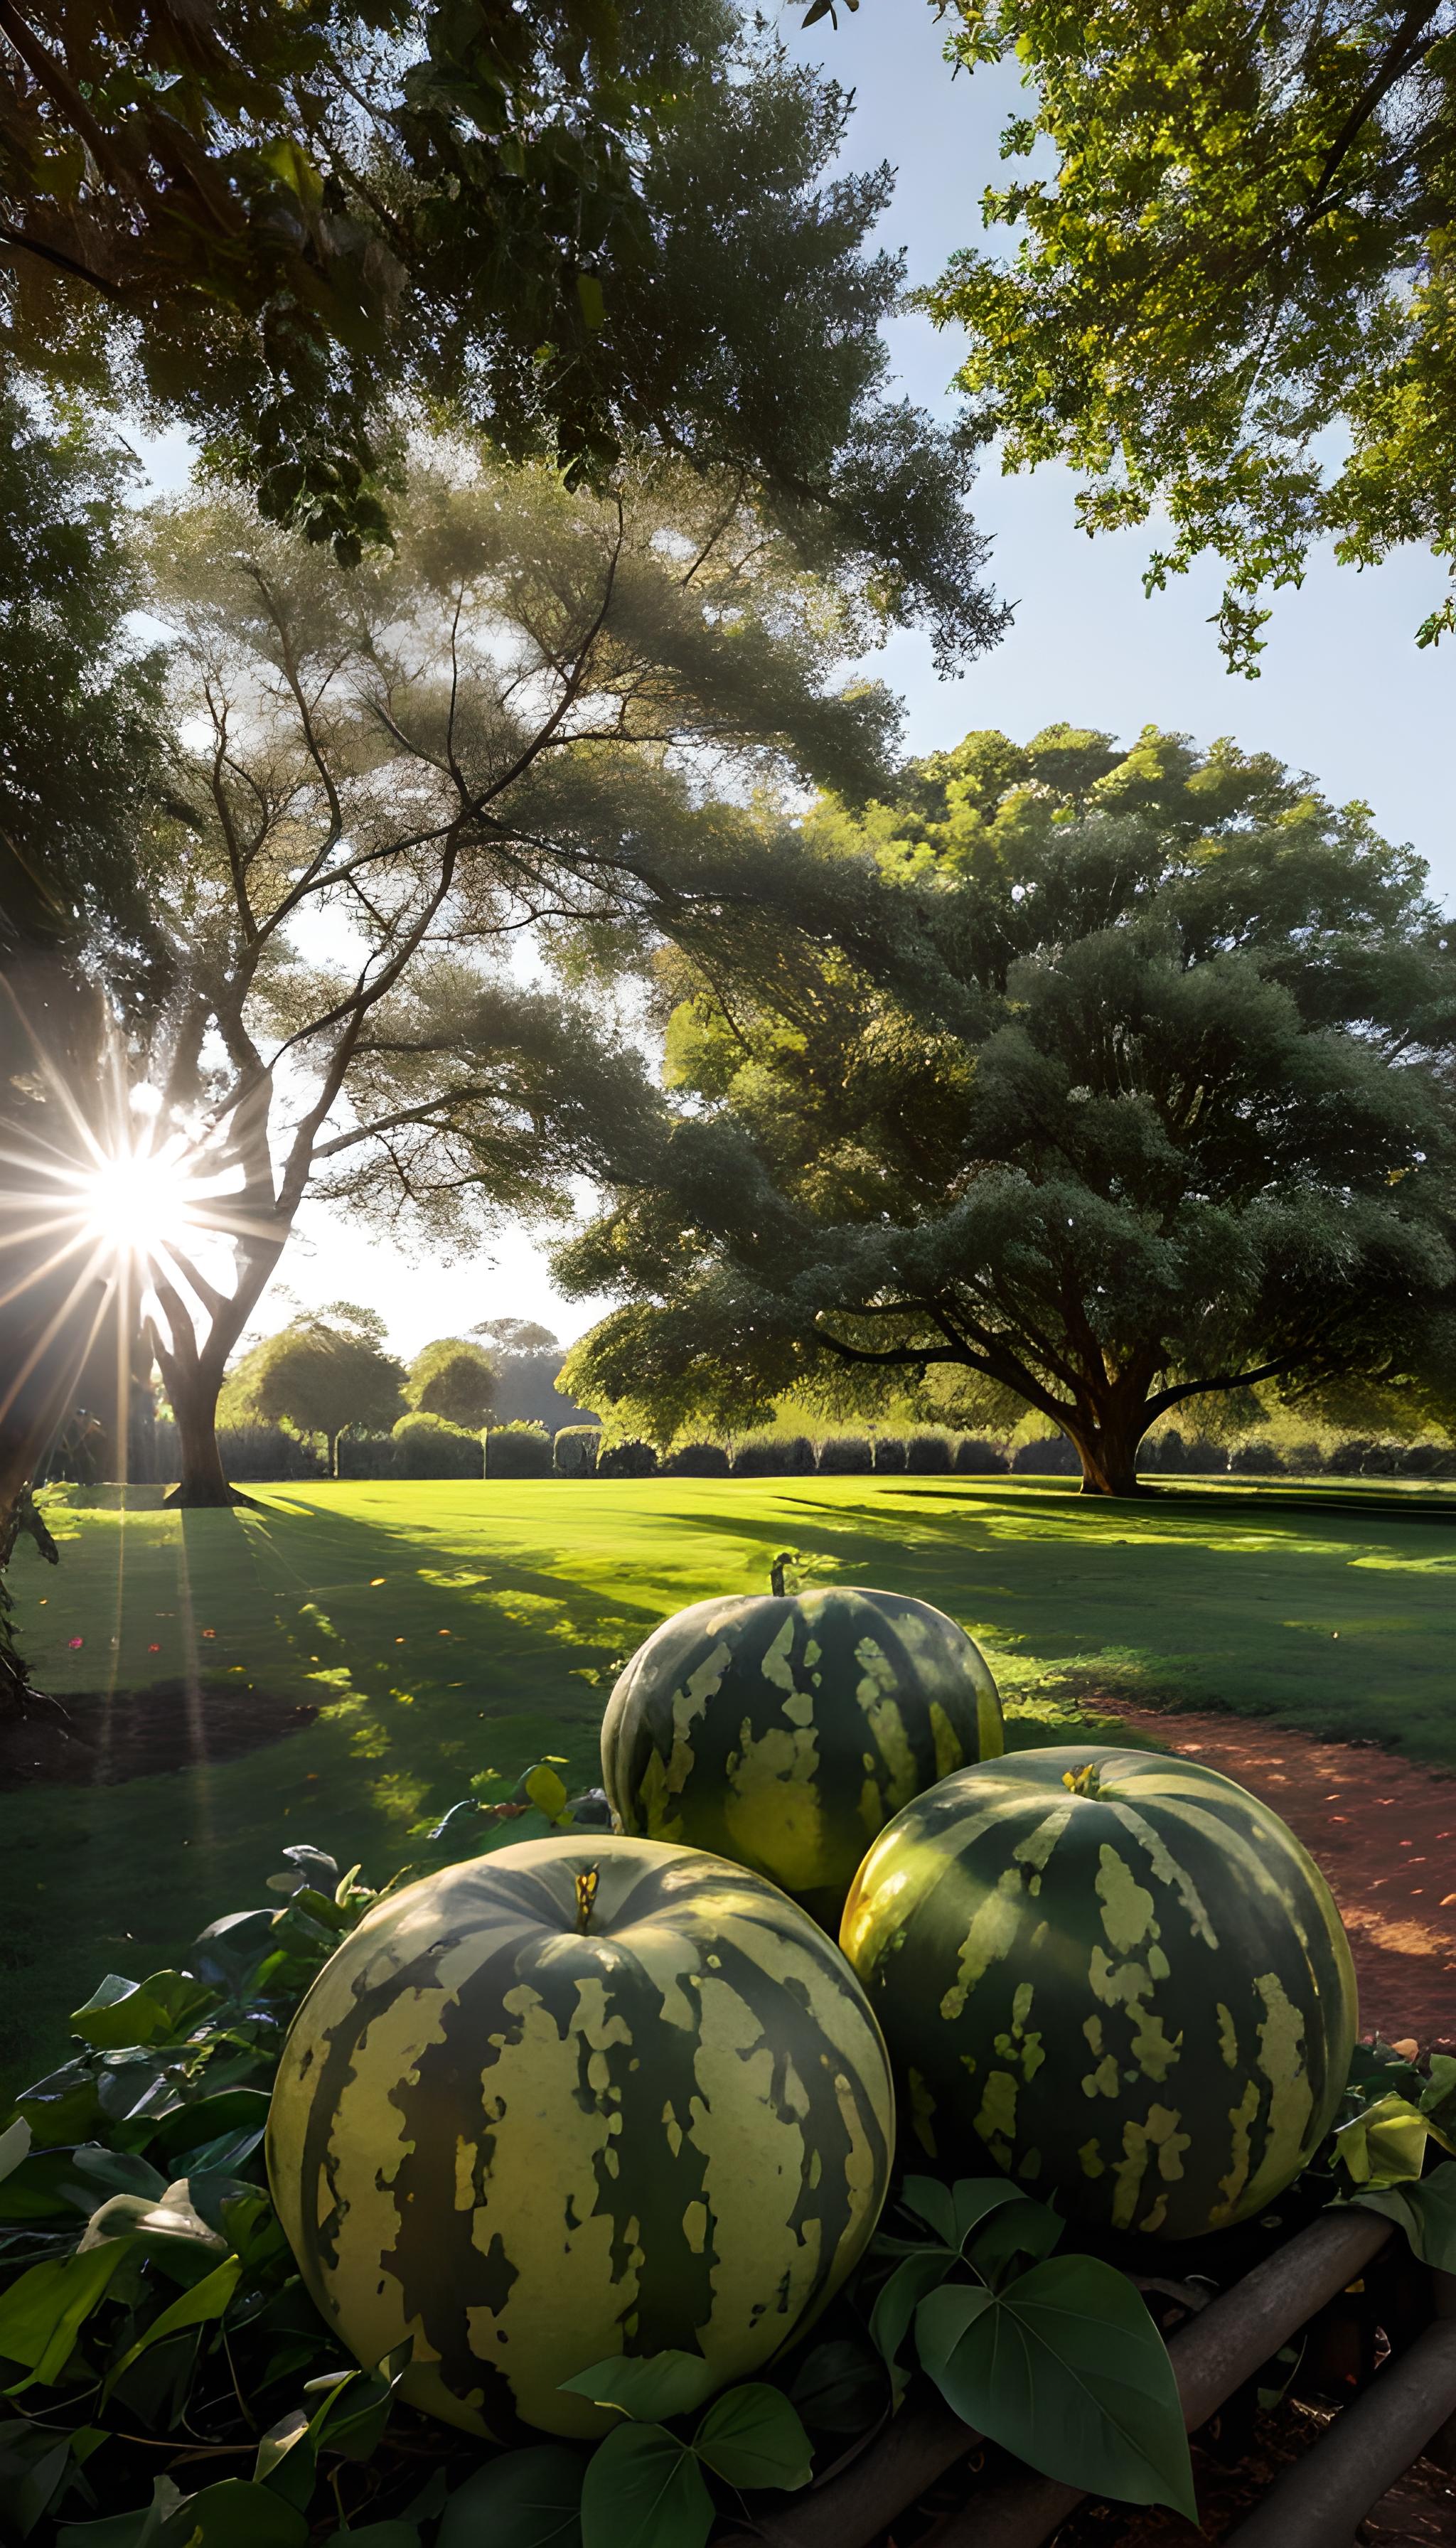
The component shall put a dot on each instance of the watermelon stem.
(586, 1884)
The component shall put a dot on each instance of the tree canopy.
(1232, 299)
(512, 722)
(571, 228)
(455, 1379)
(325, 1371)
(80, 756)
(1168, 1113)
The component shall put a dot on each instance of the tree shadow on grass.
(420, 1679)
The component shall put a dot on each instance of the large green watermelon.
(785, 1731)
(532, 2126)
(1117, 1976)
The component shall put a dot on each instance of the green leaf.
(752, 2436)
(1425, 2211)
(589, 293)
(644, 2489)
(953, 2211)
(530, 2499)
(546, 1791)
(142, 2529)
(839, 2387)
(122, 2013)
(15, 2146)
(206, 2299)
(375, 2534)
(1386, 2144)
(42, 2314)
(900, 2298)
(1028, 2229)
(237, 2515)
(1066, 2369)
(647, 2385)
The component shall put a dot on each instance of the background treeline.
(424, 1446)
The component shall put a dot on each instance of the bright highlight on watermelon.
(1114, 1975)
(578, 2098)
(785, 1732)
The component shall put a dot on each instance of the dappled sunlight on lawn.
(439, 1629)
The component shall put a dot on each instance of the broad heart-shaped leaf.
(1385, 2145)
(1427, 2212)
(644, 2489)
(237, 2515)
(206, 2299)
(752, 2436)
(953, 2211)
(646, 2386)
(42, 2314)
(1065, 2368)
(1030, 2229)
(899, 2299)
(530, 2499)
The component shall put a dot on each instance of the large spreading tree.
(572, 228)
(1234, 297)
(505, 732)
(1166, 1109)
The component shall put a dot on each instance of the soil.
(97, 1740)
(1383, 1833)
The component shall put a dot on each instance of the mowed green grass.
(446, 1629)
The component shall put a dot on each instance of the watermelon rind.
(785, 1731)
(528, 2146)
(1114, 1974)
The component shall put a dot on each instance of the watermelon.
(783, 1732)
(1114, 1974)
(583, 2097)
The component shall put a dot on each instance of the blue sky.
(1344, 693)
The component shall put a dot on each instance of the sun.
(139, 1203)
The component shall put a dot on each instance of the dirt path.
(1383, 1830)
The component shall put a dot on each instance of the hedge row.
(426, 1446)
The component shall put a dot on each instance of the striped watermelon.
(785, 1731)
(1117, 1976)
(583, 2097)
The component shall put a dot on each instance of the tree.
(79, 959)
(570, 227)
(1178, 1120)
(323, 1373)
(519, 1336)
(508, 723)
(455, 1379)
(1233, 296)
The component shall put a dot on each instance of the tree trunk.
(1108, 1451)
(333, 1443)
(202, 1479)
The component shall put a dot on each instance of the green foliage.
(570, 231)
(455, 1379)
(1053, 2357)
(149, 2309)
(573, 1450)
(1235, 243)
(519, 1451)
(429, 1447)
(362, 748)
(80, 706)
(1141, 1098)
(321, 1375)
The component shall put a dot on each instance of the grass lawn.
(446, 1629)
